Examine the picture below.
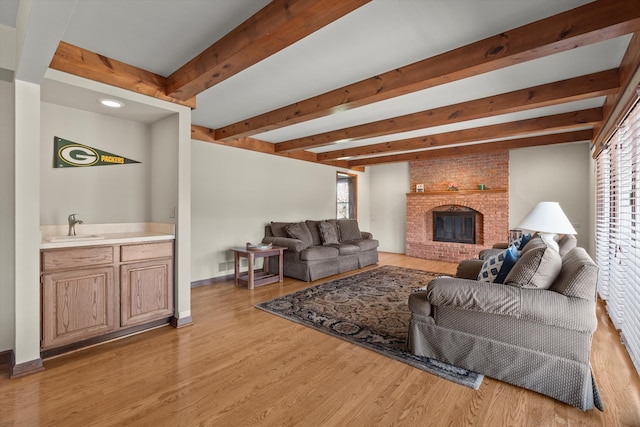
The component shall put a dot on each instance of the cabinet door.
(146, 291)
(77, 305)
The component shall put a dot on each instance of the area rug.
(368, 309)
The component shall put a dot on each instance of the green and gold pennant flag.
(68, 154)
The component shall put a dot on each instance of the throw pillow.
(300, 231)
(521, 241)
(491, 267)
(279, 229)
(511, 255)
(349, 230)
(328, 233)
(537, 268)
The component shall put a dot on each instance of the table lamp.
(548, 219)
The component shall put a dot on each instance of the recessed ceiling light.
(111, 103)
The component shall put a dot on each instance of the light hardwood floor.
(237, 365)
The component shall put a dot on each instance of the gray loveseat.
(321, 248)
(533, 331)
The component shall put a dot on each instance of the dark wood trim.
(617, 105)
(123, 333)
(279, 24)
(182, 322)
(594, 22)
(204, 134)
(558, 122)
(90, 65)
(453, 193)
(577, 88)
(212, 280)
(26, 368)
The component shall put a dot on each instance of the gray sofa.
(321, 248)
(533, 331)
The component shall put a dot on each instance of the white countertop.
(106, 234)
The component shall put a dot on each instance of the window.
(618, 230)
(346, 196)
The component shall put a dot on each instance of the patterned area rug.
(368, 309)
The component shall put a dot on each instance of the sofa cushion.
(578, 277)
(314, 230)
(534, 243)
(279, 229)
(537, 267)
(347, 248)
(328, 233)
(366, 244)
(566, 243)
(315, 253)
(349, 230)
(300, 231)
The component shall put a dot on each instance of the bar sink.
(79, 237)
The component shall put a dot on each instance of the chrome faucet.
(72, 224)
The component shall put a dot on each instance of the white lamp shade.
(547, 217)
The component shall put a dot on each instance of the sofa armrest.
(469, 269)
(474, 295)
(501, 245)
(293, 245)
(533, 305)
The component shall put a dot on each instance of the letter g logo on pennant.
(78, 155)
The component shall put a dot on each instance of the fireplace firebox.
(454, 226)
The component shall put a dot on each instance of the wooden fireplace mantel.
(453, 193)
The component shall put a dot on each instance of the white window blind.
(618, 230)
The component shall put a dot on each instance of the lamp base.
(548, 239)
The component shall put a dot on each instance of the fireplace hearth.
(454, 226)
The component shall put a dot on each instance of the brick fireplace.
(491, 206)
(492, 223)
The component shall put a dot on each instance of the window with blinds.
(618, 230)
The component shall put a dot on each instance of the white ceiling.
(162, 35)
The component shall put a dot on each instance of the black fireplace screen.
(454, 226)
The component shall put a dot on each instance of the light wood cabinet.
(88, 292)
(146, 291)
(77, 305)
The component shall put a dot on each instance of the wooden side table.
(251, 278)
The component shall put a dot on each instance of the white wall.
(98, 194)
(235, 192)
(559, 173)
(27, 223)
(389, 185)
(7, 216)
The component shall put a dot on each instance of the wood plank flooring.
(238, 365)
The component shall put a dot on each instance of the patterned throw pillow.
(521, 241)
(491, 267)
(328, 233)
(495, 268)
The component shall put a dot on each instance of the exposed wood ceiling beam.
(578, 88)
(554, 122)
(278, 25)
(616, 105)
(204, 134)
(558, 138)
(84, 63)
(591, 23)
